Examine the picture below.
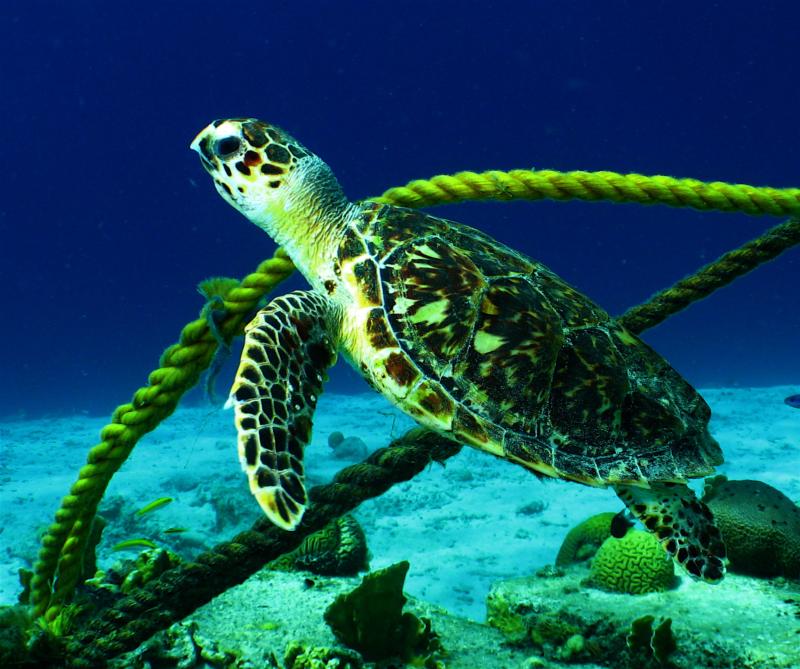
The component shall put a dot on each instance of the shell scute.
(400, 369)
(576, 309)
(378, 333)
(476, 430)
(351, 247)
(515, 344)
(365, 273)
(432, 306)
(529, 449)
(588, 389)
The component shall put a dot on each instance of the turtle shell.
(480, 342)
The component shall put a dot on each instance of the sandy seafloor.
(462, 526)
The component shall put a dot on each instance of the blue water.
(108, 222)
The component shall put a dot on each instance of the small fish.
(621, 523)
(175, 530)
(793, 401)
(131, 544)
(155, 504)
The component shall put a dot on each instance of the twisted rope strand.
(593, 186)
(713, 276)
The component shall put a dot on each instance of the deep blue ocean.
(108, 221)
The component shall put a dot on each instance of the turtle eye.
(227, 146)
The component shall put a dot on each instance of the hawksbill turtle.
(465, 335)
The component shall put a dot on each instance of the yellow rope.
(592, 186)
(59, 563)
(58, 566)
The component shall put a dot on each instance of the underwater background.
(108, 222)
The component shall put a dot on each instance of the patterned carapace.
(467, 336)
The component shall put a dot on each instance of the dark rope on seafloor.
(713, 276)
(178, 592)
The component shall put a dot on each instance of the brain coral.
(759, 524)
(634, 564)
(583, 540)
(338, 549)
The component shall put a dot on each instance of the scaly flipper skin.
(287, 350)
(683, 524)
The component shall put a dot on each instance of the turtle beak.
(195, 145)
(203, 145)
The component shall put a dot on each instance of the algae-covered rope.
(59, 562)
(594, 186)
(183, 589)
(713, 276)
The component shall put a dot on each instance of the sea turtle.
(465, 335)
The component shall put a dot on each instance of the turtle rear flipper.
(287, 349)
(683, 524)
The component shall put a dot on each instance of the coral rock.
(759, 524)
(583, 540)
(634, 564)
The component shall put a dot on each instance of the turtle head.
(271, 178)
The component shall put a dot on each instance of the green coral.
(370, 619)
(181, 645)
(339, 549)
(634, 564)
(150, 564)
(648, 644)
(583, 540)
(298, 656)
(15, 628)
(549, 629)
(759, 525)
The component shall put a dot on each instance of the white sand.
(462, 526)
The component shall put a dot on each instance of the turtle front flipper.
(287, 349)
(683, 524)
